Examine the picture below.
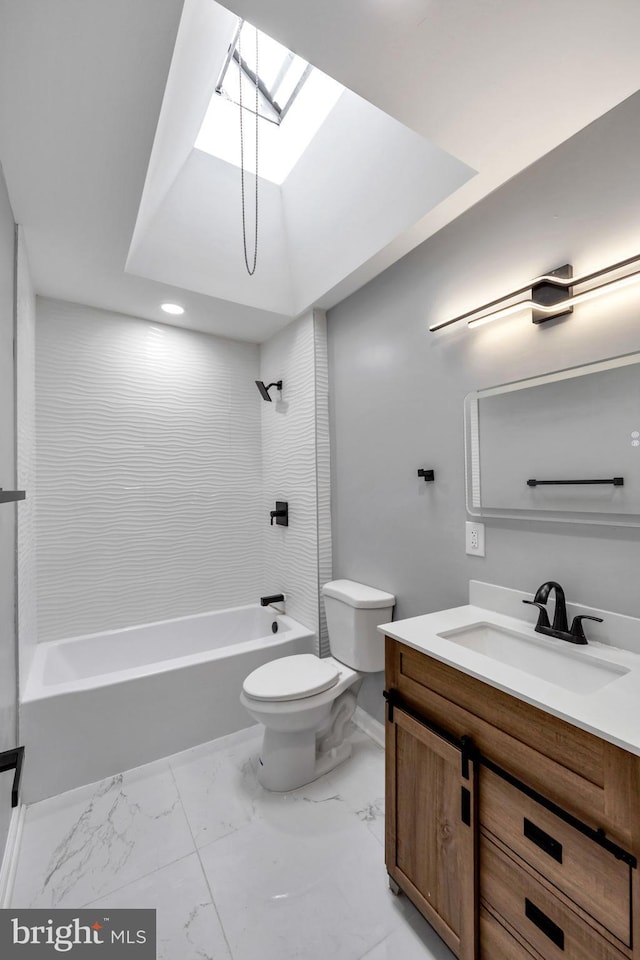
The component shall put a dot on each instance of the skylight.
(294, 97)
(280, 73)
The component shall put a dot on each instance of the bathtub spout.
(274, 598)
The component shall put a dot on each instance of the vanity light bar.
(562, 306)
(550, 289)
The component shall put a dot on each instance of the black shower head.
(264, 391)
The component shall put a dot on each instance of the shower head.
(264, 391)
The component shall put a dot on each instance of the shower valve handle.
(280, 514)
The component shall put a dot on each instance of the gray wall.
(396, 391)
(8, 690)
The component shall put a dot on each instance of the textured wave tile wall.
(323, 467)
(149, 474)
(289, 470)
(26, 460)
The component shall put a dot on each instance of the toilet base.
(290, 759)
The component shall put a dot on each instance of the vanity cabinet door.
(431, 828)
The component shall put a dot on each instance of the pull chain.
(250, 270)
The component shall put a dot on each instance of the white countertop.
(611, 712)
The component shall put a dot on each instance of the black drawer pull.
(543, 840)
(544, 923)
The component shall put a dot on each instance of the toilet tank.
(354, 611)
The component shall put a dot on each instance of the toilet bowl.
(305, 702)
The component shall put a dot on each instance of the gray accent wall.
(397, 391)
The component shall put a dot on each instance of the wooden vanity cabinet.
(513, 832)
(431, 828)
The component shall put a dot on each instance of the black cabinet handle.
(465, 806)
(543, 840)
(544, 923)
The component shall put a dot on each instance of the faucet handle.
(576, 627)
(543, 618)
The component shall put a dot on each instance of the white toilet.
(305, 702)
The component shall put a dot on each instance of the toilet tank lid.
(358, 594)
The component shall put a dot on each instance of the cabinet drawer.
(587, 873)
(543, 750)
(496, 943)
(543, 921)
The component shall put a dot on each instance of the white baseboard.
(10, 858)
(372, 727)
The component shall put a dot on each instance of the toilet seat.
(291, 678)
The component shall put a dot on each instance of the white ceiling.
(496, 83)
(362, 181)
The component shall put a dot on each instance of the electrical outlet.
(474, 537)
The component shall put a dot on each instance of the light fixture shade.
(173, 308)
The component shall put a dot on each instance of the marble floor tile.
(412, 939)
(188, 927)
(405, 944)
(220, 792)
(235, 872)
(218, 785)
(309, 883)
(360, 782)
(87, 842)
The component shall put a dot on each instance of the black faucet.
(560, 626)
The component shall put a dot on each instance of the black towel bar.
(616, 481)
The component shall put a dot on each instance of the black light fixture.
(264, 391)
(551, 295)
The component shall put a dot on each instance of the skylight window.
(293, 96)
(280, 73)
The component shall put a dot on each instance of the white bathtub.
(96, 705)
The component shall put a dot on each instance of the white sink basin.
(570, 668)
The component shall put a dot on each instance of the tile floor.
(234, 872)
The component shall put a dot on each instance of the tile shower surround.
(156, 462)
(295, 467)
(234, 872)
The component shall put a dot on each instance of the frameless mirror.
(564, 446)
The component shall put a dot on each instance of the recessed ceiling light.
(172, 308)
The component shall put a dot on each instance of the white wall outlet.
(474, 537)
